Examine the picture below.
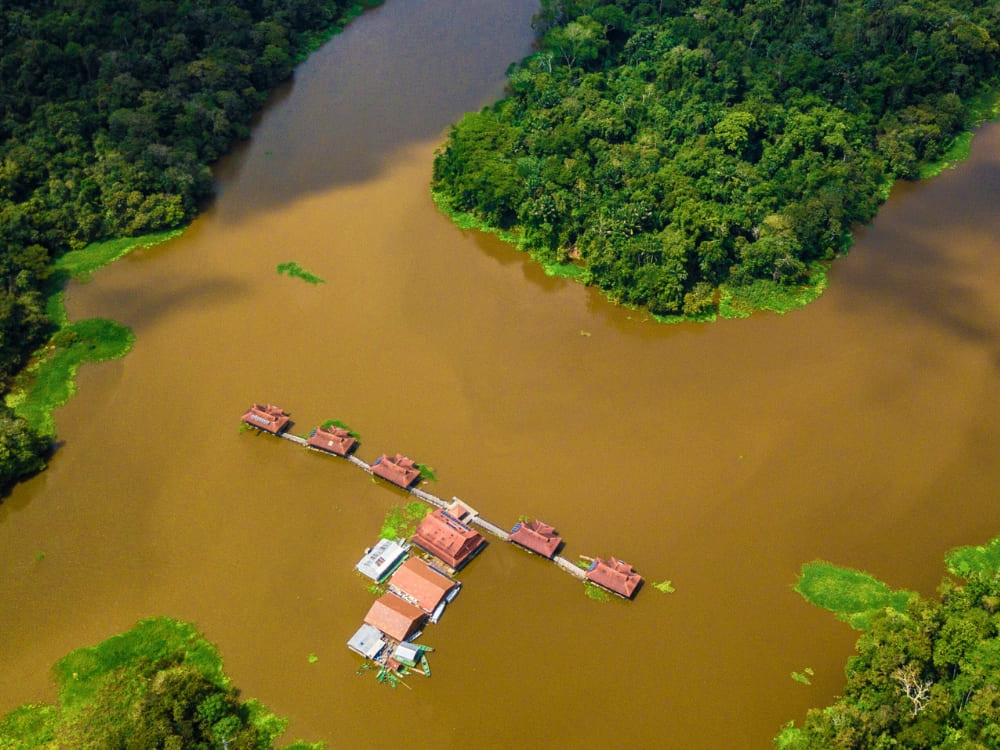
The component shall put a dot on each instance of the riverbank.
(698, 183)
(48, 381)
(146, 167)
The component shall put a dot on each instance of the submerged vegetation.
(160, 684)
(110, 114)
(927, 670)
(710, 158)
(294, 270)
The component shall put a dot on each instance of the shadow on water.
(397, 75)
(142, 306)
(927, 255)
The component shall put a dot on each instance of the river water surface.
(862, 429)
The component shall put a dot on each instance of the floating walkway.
(473, 519)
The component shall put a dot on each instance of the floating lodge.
(335, 440)
(418, 591)
(268, 418)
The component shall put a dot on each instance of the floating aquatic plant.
(291, 268)
(852, 595)
(402, 520)
(803, 676)
(596, 592)
(427, 472)
(665, 587)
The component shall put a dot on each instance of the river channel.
(862, 429)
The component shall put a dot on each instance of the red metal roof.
(399, 470)
(615, 575)
(445, 537)
(536, 536)
(269, 418)
(426, 586)
(332, 440)
(394, 617)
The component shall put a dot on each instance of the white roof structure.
(407, 652)
(381, 560)
(368, 641)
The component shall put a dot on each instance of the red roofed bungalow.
(537, 537)
(268, 418)
(401, 471)
(615, 575)
(422, 585)
(448, 539)
(332, 440)
(394, 617)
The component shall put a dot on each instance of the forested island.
(926, 670)
(110, 114)
(671, 149)
(159, 685)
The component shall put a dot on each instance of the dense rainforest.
(157, 686)
(110, 113)
(926, 675)
(675, 147)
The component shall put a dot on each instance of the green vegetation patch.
(982, 108)
(427, 473)
(975, 563)
(803, 676)
(402, 520)
(82, 672)
(925, 677)
(852, 595)
(81, 264)
(595, 592)
(29, 727)
(291, 268)
(160, 684)
(740, 301)
(48, 383)
(664, 587)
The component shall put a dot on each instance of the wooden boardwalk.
(561, 562)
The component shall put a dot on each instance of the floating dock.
(474, 519)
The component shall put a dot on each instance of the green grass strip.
(293, 269)
(49, 382)
(80, 264)
(763, 294)
(852, 595)
(983, 108)
(82, 673)
(973, 563)
(402, 520)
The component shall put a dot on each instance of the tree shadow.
(397, 75)
(932, 256)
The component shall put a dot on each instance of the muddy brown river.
(862, 429)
